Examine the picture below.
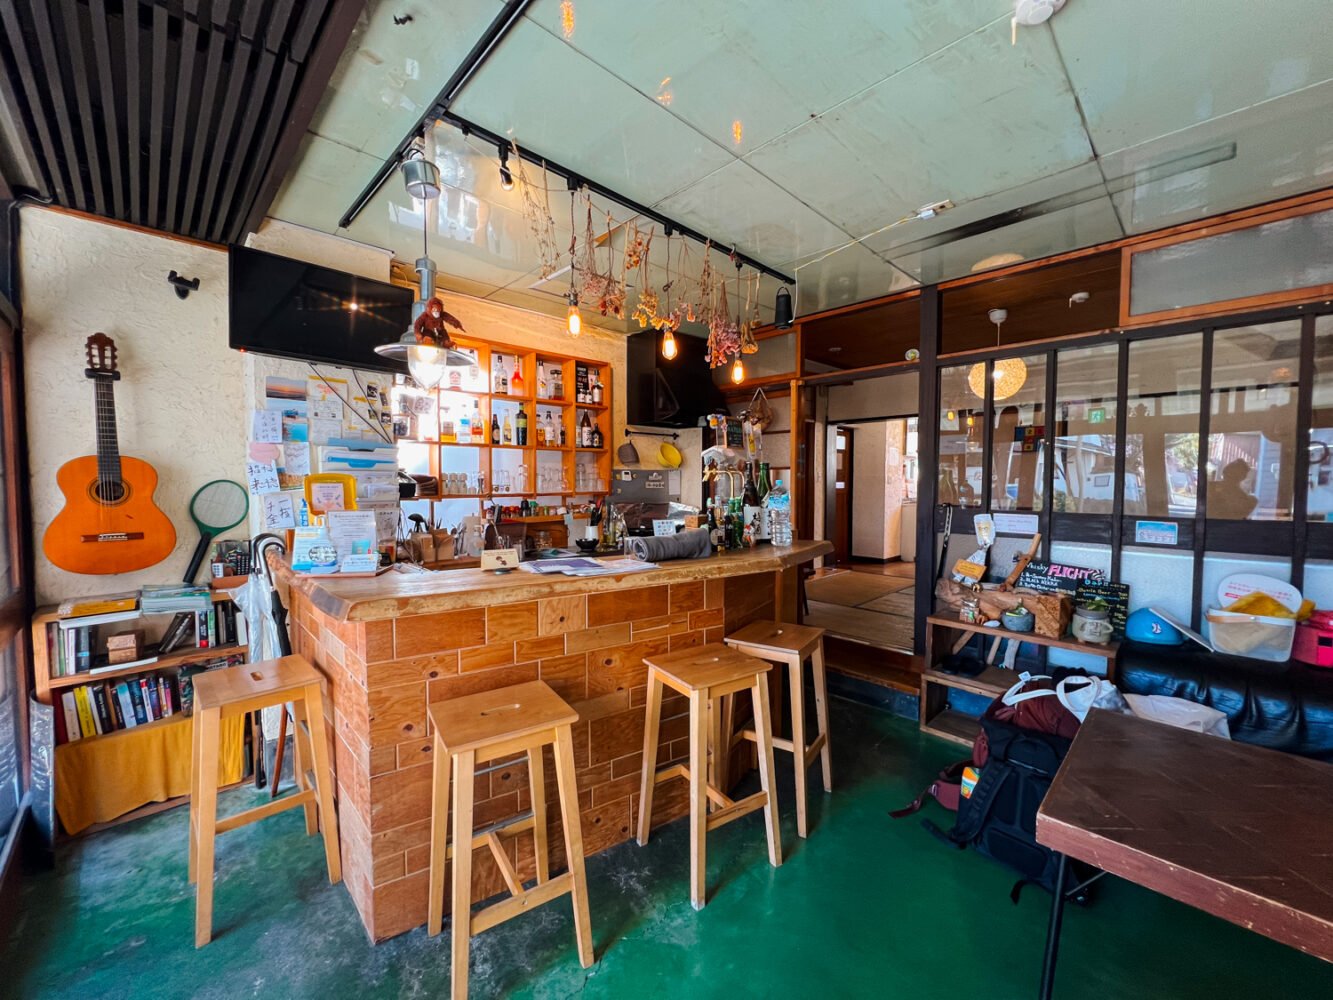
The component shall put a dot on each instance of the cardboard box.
(120, 642)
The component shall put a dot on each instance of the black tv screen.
(292, 309)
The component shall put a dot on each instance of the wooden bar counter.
(391, 645)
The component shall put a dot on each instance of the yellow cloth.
(99, 779)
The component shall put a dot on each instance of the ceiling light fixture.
(421, 176)
(738, 370)
(506, 175)
(666, 321)
(997, 260)
(426, 345)
(1010, 374)
(782, 310)
(573, 319)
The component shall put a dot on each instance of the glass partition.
(1162, 426)
(1018, 444)
(1085, 415)
(961, 432)
(1320, 480)
(1252, 423)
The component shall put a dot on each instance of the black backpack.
(999, 818)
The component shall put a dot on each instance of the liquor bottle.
(495, 428)
(497, 381)
(521, 427)
(541, 380)
(557, 383)
(516, 383)
(507, 431)
(765, 484)
(714, 532)
(504, 378)
(455, 378)
(585, 432)
(562, 434)
(596, 390)
(446, 427)
(751, 492)
(464, 434)
(477, 431)
(597, 437)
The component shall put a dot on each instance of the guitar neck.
(108, 446)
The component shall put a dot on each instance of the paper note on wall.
(323, 430)
(262, 478)
(326, 496)
(325, 397)
(296, 458)
(266, 426)
(278, 511)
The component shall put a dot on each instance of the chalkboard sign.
(1116, 596)
(1054, 578)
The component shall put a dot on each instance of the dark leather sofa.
(1284, 706)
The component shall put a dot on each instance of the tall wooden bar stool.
(706, 674)
(792, 645)
(224, 694)
(470, 731)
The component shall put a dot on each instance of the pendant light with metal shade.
(782, 311)
(426, 345)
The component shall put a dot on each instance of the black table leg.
(1053, 931)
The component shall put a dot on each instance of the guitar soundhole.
(107, 492)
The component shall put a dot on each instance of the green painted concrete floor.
(866, 907)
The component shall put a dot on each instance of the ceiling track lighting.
(506, 175)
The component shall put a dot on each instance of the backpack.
(1016, 758)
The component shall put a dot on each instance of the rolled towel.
(690, 544)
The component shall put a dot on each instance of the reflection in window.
(961, 431)
(1320, 484)
(1162, 426)
(1252, 427)
(1085, 417)
(1020, 432)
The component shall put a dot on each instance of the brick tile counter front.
(391, 646)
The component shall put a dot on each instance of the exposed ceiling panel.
(177, 116)
(1113, 118)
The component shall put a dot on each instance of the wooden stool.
(473, 730)
(706, 674)
(791, 644)
(223, 694)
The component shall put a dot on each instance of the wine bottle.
(751, 492)
(597, 437)
(596, 391)
(521, 427)
(585, 432)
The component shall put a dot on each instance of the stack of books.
(167, 598)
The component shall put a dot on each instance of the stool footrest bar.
(541, 893)
(267, 809)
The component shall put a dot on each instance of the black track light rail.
(439, 110)
(467, 69)
(576, 180)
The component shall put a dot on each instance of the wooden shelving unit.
(937, 717)
(513, 472)
(87, 769)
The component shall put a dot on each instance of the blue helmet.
(1146, 625)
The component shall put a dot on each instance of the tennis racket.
(216, 507)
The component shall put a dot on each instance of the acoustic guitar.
(109, 523)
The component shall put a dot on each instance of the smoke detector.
(1030, 13)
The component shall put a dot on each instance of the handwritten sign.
(1114, 595)
(1055, 578)
(262, 478)
(266, 427)
(279, 511)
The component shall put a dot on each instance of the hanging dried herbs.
(537, 213)
(602, 290)
(751, 321)
(638, 247)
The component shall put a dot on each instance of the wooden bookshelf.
(94, 787)
(521, 464)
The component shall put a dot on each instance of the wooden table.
(1235, 830)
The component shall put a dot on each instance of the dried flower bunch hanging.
(537, 213)
(638, 247)
(751, 321)
(670, 318)
(602, 290)
(724, 335)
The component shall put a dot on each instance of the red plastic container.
(1314, 640)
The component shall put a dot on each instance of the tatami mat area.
(869, 607)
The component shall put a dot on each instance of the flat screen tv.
(292, 309)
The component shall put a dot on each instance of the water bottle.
(778, 504)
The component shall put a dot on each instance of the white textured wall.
(182, 390)
(866, 399)
(185, 399)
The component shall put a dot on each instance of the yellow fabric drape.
(99, 779)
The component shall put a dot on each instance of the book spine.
(154, 697)
(101, 711)
(58, 718)
(52, 657)
(136, 698)
(212, 626)
(113, 706)
(126, 705)
(200, 630)
(86, 724)
(147, 700)
(85, 651)
(164, 696)
(70, 707)
(70, 643)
